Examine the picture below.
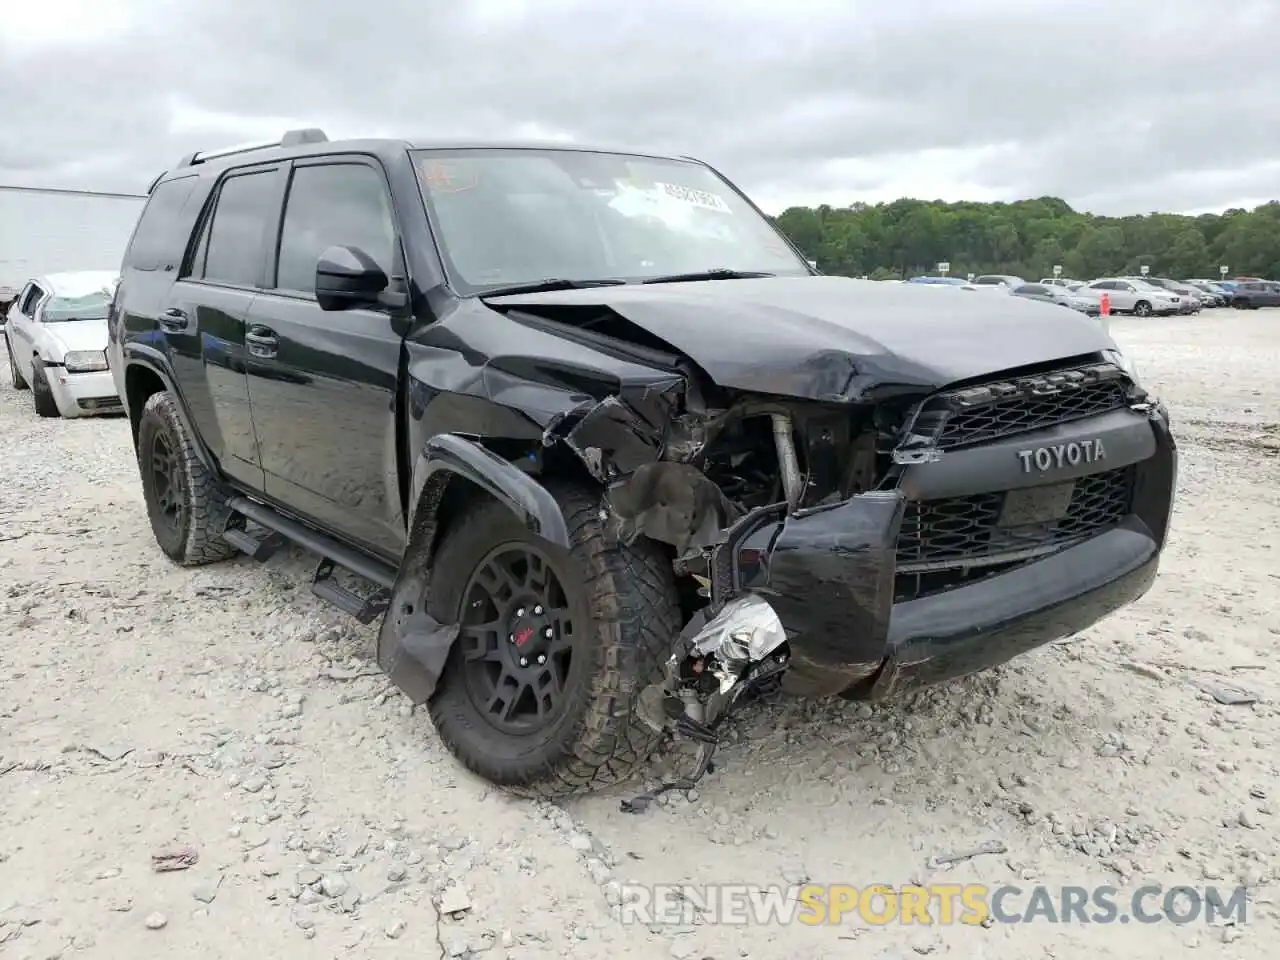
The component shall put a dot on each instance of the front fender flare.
(412, 645)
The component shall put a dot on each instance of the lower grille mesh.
(960, 538)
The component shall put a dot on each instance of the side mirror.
(348, 277)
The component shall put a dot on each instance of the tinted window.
(232, 253)
(342, 204)
(157, 239)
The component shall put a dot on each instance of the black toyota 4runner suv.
(603, 451)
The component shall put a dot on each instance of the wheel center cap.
(529, 634)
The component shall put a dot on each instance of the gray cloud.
(1123, 106)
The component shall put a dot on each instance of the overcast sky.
(1120, 106)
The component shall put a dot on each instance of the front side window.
(505, 217)
(28, 305)
(337, 204)
(231, 250)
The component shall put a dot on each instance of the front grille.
(1002, 408)
(945, 543)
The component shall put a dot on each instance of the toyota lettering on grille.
(1059, 455)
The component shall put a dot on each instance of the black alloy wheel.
(169, 503)
(516, 640)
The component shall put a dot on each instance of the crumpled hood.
(835, 337)
(69, 335)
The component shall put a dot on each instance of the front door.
(323, 384)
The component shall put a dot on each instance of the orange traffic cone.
(1105, 304)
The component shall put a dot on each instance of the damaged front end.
(780, 536)
(791, 544)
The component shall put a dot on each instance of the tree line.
(1028, 238)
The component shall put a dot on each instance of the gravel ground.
(145, 709)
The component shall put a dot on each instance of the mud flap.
(412, 645)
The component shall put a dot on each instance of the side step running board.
(255, 548)
(364, 609)
(334, 556)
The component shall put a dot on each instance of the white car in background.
(56, 334)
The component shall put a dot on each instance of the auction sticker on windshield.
(697, 198)
(441, 176)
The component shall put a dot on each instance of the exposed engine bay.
(713, 470)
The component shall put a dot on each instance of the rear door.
(323, 384)
(203, 321)
(21, 328)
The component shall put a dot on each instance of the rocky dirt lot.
(148, 711)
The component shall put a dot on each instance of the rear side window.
(158, 240)
(334, 204)
(230, 249)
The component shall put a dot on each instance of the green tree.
(910, 236)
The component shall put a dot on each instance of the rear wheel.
(14, 373)
(555, 647)
(41, 392)
(1142, 308)
(185, 502)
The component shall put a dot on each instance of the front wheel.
(555, 645)
(185, 502)
(42, 392)
(1142, 308)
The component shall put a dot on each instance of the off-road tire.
(198, 538)
(41, 392)
(14, 373)
(1142, 309)
(627, 595)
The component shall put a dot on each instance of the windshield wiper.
(715, 273)
(551, 283)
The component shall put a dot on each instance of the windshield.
(92, 306)
(506, 217)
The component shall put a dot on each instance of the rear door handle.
(262, 342)
(175, 320)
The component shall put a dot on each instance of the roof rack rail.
(291, 138)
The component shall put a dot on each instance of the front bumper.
(829, 574)
(83, 394)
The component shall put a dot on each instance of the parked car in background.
(1211, 295)
(1049, 293)
(57, 339)
(1188, 297)
(1136, 297)
(999, 280)
(7, 296)
(1252, 294)
(940, 281)
(1059, 282)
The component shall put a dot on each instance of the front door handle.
(261, 342)
(175, 320)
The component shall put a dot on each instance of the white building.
(48, 230)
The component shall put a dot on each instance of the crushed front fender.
(412, 645)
